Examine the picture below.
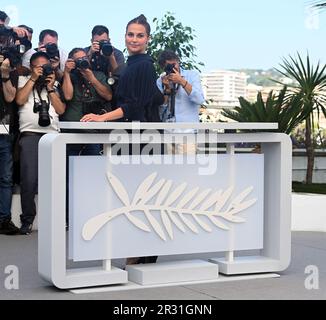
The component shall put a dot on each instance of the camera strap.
(39, 93)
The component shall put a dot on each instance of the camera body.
(106, 48)
(42, 108)
(52, 50)
(47, 71)
(169, 69)
(8, 47)
(82, 63)
(13, 53)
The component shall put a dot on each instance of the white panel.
(138, 210)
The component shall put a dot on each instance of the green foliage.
(285, 109)
(173, 35)
(310, 81)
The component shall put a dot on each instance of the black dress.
(137, 93)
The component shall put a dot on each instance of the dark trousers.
(5, 177)
(28, 175)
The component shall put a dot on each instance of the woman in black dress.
(137, 95)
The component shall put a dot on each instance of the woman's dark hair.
(74, 51)
(167, 55)
(143, 21)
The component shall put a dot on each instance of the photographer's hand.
(70, 65)
(95, 47)
(9, 91)
(87, 74)
(5, 68)
(36, 73)
(21, 32)
(50, 80)
(23, 93)
(176, 77)
(55, 63)
(103, 90)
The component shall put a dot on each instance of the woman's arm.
(110, 116)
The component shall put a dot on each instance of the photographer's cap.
(37, 55)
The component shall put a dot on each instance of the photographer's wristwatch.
(4, 80)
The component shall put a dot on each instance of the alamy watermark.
(145, 147)
(312, 280)
(12, 12)
(11, 278)
(312, 21)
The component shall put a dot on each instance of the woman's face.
(136, 39)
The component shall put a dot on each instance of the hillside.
(262, 77)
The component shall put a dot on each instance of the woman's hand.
(94, 118)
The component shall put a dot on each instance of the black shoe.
(26, 228)
(8, 228)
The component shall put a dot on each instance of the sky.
(253, 34)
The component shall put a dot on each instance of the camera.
(169, 69)
(47, 71)
(82, 63)
(42, 108)
(13, 53)
(106, 48)
(52, 50)
(9, 49)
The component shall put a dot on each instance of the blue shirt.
(187, 106)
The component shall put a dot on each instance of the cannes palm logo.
(190, 210)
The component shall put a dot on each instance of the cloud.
(312, 21)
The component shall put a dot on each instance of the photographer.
(48, 43)
(8, 83)
(85, 91)
(28, 44)
(39, 108)
(183, 96)
(105, 58)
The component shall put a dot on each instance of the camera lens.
(82, 64)
(52, 50)
(44, 117)
(47, 70)
(106, 48)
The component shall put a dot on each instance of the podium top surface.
(163, 126)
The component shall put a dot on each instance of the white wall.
(308, 212)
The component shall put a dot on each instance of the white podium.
(155, 205)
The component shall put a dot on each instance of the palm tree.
(310, 84)
(319, 4)
(287, 110)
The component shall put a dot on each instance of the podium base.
(246, 265)
(171, 272)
